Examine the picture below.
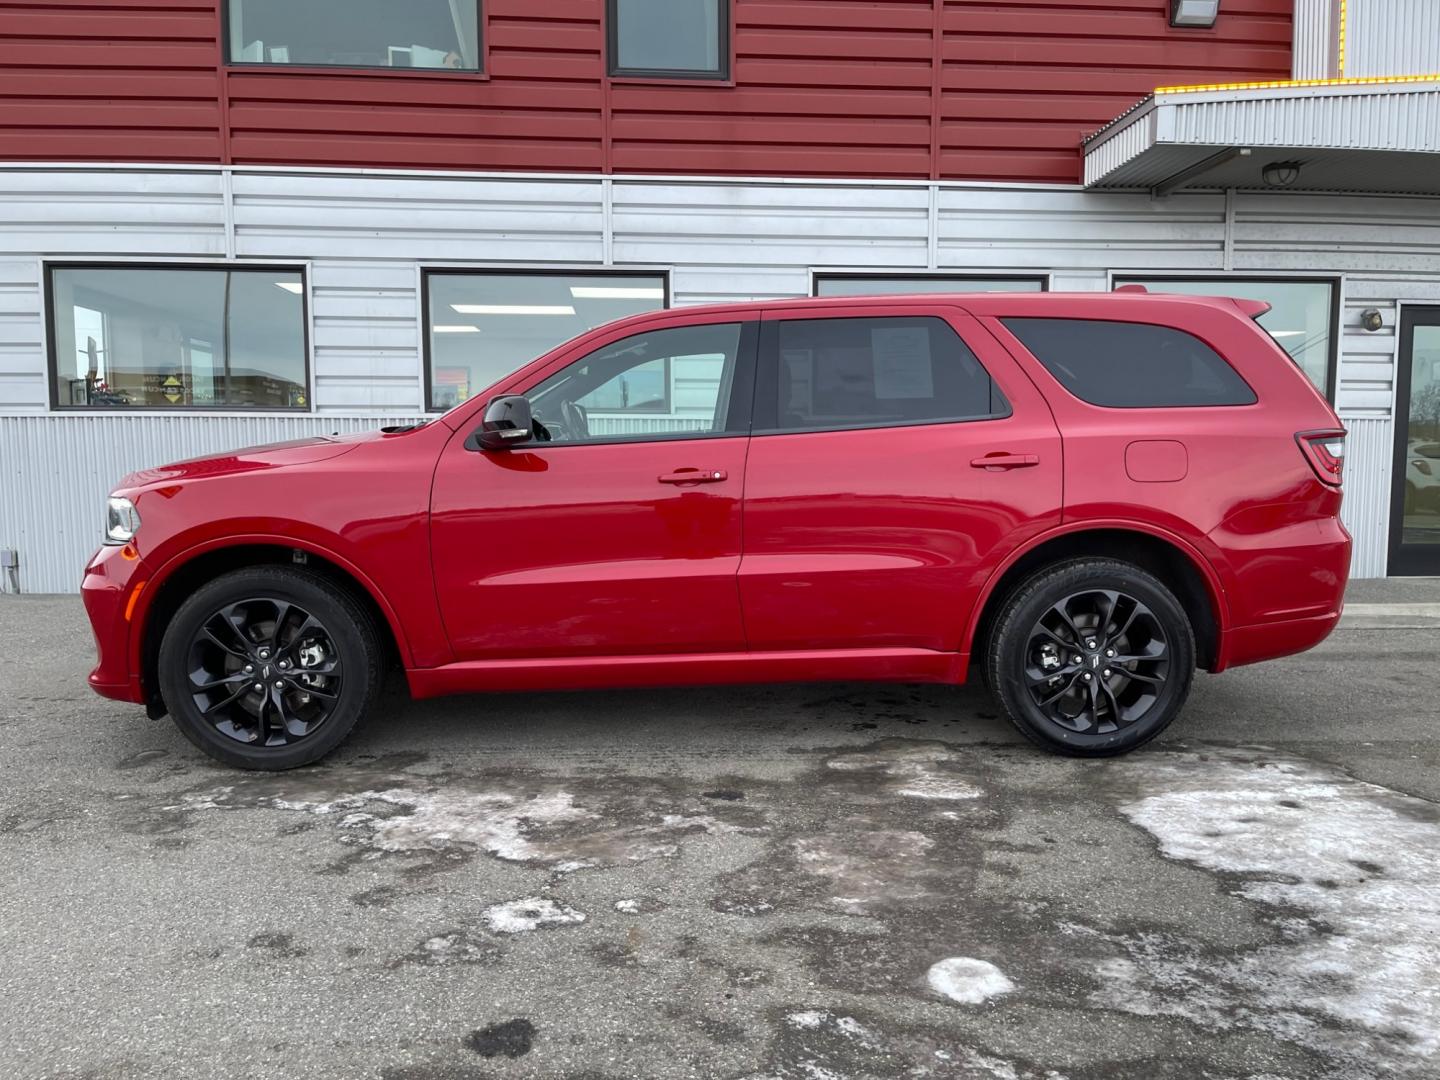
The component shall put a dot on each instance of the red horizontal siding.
(821, 88)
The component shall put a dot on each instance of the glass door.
(1415, 514)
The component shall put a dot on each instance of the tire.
(1090, 702)
(320, 674)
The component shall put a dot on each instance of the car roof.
(1127, 304)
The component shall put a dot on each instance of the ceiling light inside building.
(1194, 13)
(514, 309)
(290, 286)
(458, 328)
(591, 292)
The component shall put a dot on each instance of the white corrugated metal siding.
(365, 237)
(1391, 37)
(1369, 452)
(1316, 39)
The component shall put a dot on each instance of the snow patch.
(967, 980)
(1362, 862)
(531, 913)
(912, 769)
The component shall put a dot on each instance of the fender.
(143, 601)
(1213, 584)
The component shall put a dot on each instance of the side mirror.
(507, 423)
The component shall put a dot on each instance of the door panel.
(1415, 514)
(576, 550)
(884, 536)
(616, 530)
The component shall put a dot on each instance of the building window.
(827, 284)
(687, 39)
(482, 325)
(1301, 318)
(355, 33)
(163, 337)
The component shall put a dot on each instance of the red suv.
(1077, 498)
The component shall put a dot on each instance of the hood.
(250, 459)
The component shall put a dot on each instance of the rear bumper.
(113, 580)
(1270, 640)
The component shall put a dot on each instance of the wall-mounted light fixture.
(1280, 173)
(1371, 319)
(1194, 13)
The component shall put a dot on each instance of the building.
(225, 222)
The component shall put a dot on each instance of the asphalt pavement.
(820, 882)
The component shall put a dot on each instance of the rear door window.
(831, 374)
(1126, 365)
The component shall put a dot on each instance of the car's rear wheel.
(269, 667)
(1092, 657)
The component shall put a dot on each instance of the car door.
(617, 530)
(898, 454)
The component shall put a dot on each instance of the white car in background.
(1422, 475)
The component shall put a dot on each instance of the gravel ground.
(796, 881)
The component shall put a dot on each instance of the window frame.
(428, 270)
(482, 57)
(1337, 297)
(739, 417)
(765, 413)
(817, 274)
(47, 271)
(723, 73)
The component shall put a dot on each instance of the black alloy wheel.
(270, 667)
(1091, 657)
(264, 672)
(1097, 661)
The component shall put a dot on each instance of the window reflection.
(356, 33)
(482, 326)
(133, 337)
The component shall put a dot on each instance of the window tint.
(1131, 365)
(1300, 319)
(356, 33)
(670, 382)
(859, 285)
(670, 37)
(152, 338)
(838, 373)
(482, 326)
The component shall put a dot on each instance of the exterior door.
(617, 531)
(1415, 512)
(893, 463)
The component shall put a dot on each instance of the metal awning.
(1372, 136)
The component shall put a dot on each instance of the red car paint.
(856, 554)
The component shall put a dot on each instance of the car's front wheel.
(269, 667)
(1092, 657)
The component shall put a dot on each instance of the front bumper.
(114, 579)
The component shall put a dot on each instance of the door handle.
(694, 476)
(1000, 461)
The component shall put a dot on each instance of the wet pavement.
(798, 881)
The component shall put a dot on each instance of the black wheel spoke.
(197, 685)
(1154, 680)
(226, 701)
(1070, 685)
(215, 640)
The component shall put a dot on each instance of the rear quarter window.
(1126, 365)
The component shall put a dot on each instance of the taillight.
(1325, 450)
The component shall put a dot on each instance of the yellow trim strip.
(1340, 58)
(1281, 84)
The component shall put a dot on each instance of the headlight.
(122, 521)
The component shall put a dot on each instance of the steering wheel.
(577, 424)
